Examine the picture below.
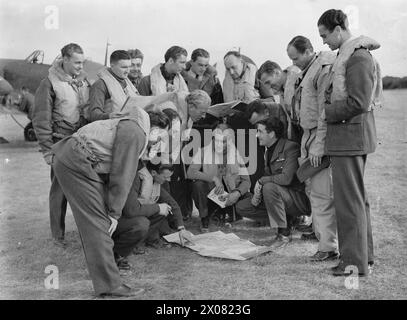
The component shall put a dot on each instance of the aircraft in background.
(19, 74)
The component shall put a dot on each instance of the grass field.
(176, 273)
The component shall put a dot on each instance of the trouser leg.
(351, 210)
(200, 191)
(245, 208)
(57, 208)
(157, 222)
(180, 190)
(277, 201)
(323, 210)
(129, 233)
(86, 198)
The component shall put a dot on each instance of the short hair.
(135, 53)
(301, 44)
(273, 124)
(70, 48)
(199, 53)
(255, 106)
(171, 114)
(175, 52)
(119, 55)
(158, 119)
(268, 67)
(232, 53)
(198, 97)
(158, 167)
(332, 18)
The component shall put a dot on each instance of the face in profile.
(300, 60)
(265, 138)
(332, 39)
(177, 65)
(198, 112)
(121, 68)
(234, 65)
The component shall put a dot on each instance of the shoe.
(280, 241)
(60, 242)
(138, 250)
(123, 291)
(205, 224)
(123, 263)
(324, 256)
(340, 271)
(158, 244)
(309, 237)
(230, 218)
(305, 228)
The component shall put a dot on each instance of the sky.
(260, 28)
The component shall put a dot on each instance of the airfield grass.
(177, 273)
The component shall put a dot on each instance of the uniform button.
(343, 121)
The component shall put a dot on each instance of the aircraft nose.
(5, 87)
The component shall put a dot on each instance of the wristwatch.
(181, 228)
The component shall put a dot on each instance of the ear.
(338, 29)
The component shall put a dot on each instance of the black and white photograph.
(216, 152)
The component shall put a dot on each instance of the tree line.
(394, 83)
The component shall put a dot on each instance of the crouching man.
(278, 194)
(147, 207)
(218, 166)
(96, 168)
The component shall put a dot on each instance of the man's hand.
(115, 115)
(218, 185)
(185, 235)
(113, 225)
(315, 160)
(165, 209)
(232, 198)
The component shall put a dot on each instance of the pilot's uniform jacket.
(58, 112)
(354, 90)
(59, 103)
(243, 88)
(97, 192)
(108, 94)
(309, 103)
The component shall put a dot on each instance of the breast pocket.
(345, 136)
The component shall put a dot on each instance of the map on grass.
(221, 245)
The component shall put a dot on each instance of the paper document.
(220, 199)
(221, 245)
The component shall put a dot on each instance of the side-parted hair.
(158, 119)
(332, 18)
(273, 124)
(301, 44)
(199, 53)
(198, 97)
(171, 114)
(268, 67)
(70, 48)
(135, 53)
(255, 106)
(119, 55)
(175, 52)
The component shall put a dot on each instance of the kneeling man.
(282, 195)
